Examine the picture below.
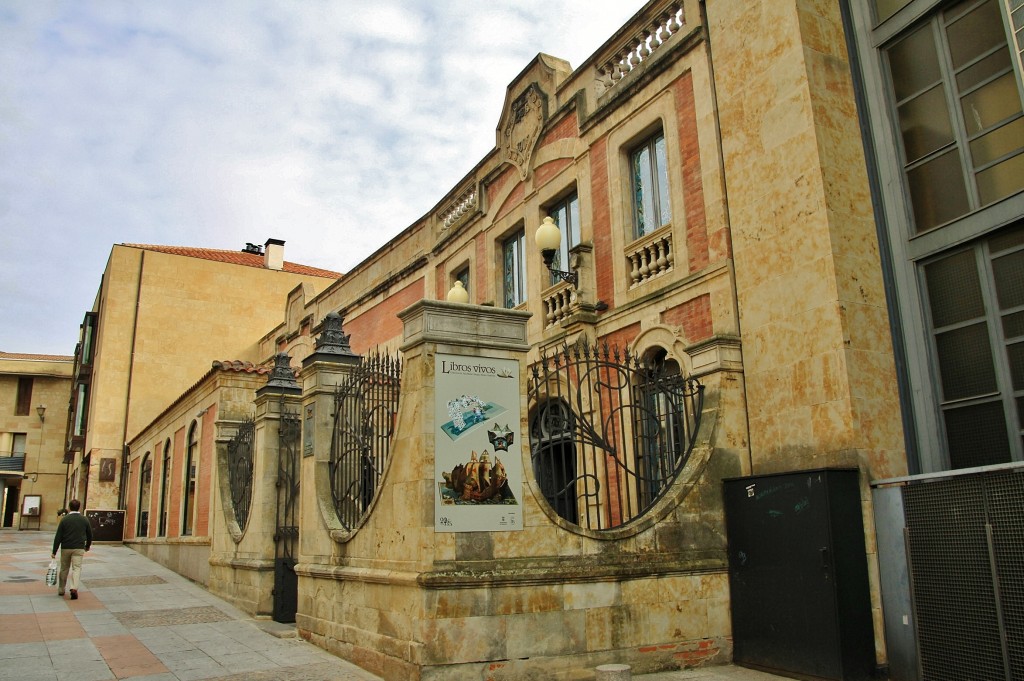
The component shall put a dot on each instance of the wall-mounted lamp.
(41, 410)
(458, 293)
(549, 239)
(33, 476)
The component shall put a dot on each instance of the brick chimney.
(273, 254)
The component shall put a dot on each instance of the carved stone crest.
(521, 130)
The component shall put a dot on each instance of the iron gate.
(365, 410)
(286, 534)
(609, 432)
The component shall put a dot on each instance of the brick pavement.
(135, 619)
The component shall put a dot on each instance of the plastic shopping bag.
(51, 574)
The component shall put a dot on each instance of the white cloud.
(330, 125)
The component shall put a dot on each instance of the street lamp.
(41, 410)
(549, 239)
(458, 293)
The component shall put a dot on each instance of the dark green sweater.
(73, 532)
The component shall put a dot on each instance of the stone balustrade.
(458, 208)
(559, 303)
(650, 256)
(667, 22)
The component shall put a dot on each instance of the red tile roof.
(240, 366)
(36, 358)
(236, 258)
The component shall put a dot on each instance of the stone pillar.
(330, 364)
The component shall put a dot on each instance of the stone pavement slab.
(135, 619)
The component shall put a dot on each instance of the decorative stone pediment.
(526, 110)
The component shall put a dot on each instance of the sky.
(332, 125)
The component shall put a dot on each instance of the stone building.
(160, 314)
(745, 197)
(33, 417)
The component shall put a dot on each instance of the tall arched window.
(145, 485)
(188, 510)
(553, 455)
(165, 468)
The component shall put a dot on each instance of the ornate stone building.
(730, 266)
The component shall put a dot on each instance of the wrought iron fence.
(240, 471)
(609, 432)
(365, 409)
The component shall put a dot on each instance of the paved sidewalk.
(136, 619)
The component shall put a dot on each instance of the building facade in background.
(33, 417)
(161, 313)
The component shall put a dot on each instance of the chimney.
(273, 254)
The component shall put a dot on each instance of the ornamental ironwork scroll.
(240, 471)
(609, 432)
(365, 411)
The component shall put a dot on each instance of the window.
(976, 305)
(513, 278)
(648, 164)
(164, 479)
(463, 276)
(145, 485)
(959, 112)
(81, 410)
(188, 510)
(553, 455)
(566, 214)
(23, 405)
(18, 443)
(88, 336)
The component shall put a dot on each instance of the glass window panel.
(1006, 238)
(1015, 356)
(886, 8)
(975, 33)
(998, 142)
(984, 69)
(573, 233)
(924, 123)
(1008, 271)
(1013, 325)
(965, 362)
(977, 435)
(664, 209)
(642, 186)
(937, 190)
(954, 289)
(514, 272)
(990, 104)
(1001, 180)
(913, 63)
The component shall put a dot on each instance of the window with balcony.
(566, 214)
(513, 273)
(648, 165)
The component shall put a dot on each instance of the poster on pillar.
(477, 460)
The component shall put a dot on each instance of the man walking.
(74, 537)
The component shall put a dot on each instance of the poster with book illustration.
(477, 460)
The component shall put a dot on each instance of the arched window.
(145, 485)
(165, 468)
(188, 510)
(661, 425)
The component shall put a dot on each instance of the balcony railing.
(650, 256)
(12, 462)
(559, 303)
(666, 23)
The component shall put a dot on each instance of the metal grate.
(609, 432)
(240, 468)
(965, 538)
(365, 411)
(1005, 495)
